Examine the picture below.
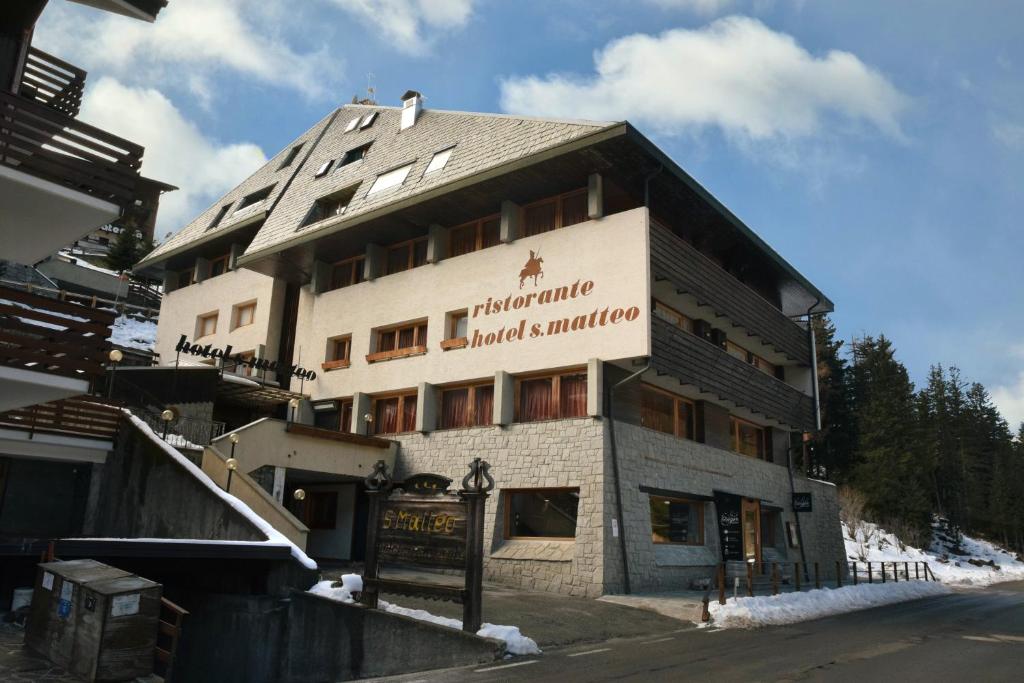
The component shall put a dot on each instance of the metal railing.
(91, 300)
(52, 81)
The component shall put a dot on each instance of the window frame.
(402, 397)
(556, 393)
(559, 201)
(477, 226)
(358, 264)
(342, 163)
(507, 513)
(410, 245)
(247, 201)
(200, 324)
(676, 400)
(225, 259)
(319, 211)
(734, 429)
(418, 347)
(669, 312)
(452, 339)
(471, 417)
(332, 361)
(220, 215)
(236, 312)
(374, 189)
(292, 155)
(435, 155)
(700, 505)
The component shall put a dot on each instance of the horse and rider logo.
(533, 268)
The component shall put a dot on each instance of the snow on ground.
(790, 608)
(869, 542)
(134, 333)
(515, 642)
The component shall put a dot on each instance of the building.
(557, 297)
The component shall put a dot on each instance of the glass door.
(751, 512)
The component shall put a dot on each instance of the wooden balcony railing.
(47, 335)
(696, 362)
(54, 146)
(53, 82)
(80, 416)
(690, 272)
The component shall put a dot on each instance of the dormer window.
(354, 155)
(352, 125)
(253, 199)
(332, 205)
(292, 153)
(324, 168)
(439, 159)
(221, 212)
(368, 120)
(390, 179)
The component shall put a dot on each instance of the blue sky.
(878, 146)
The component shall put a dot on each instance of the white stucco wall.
(611, 253)
(180, 308)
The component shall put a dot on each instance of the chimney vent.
(412, 104)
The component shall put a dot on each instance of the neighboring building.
(556, 297)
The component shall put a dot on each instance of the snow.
(790, 608)
(274, 537)
(134, 333)
(515, 642)
(869, 542)
(82, 263)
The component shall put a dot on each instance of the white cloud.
(1010, 401)
(704, 7)
(1009, 134)
(189, 39)
(405, 23)
(176, 151)
(735, 74)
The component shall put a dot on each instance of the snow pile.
(274, 537)
(870, 543)
(515, 642)
(134, 333)
(789, 608)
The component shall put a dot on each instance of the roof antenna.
(371, 91)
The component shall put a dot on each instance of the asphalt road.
(969, 636)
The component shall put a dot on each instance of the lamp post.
(293, 404)
(299, 495)
(115, 357)
(232, 466)
(167, 415)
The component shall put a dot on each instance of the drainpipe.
(817, 424)
(615, 472)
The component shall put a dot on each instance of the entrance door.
(751, 512)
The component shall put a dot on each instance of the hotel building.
(557, 297)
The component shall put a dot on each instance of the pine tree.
(128, 249)
(831, 451)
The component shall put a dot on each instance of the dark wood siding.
(690, 272)
(694, 361)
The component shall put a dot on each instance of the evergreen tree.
(128, 249)
(831, 449)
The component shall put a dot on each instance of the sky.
(877, 145)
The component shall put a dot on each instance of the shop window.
(243, 314)
(770, 523)
(677, 520)
(206, 325)
(339, 352)
(406, 255)
(555, 212)
(394, 414)
(321, 509)
(347, 272)
(673, 316)
(666, 412)
(474, 236)
(549, 398)
(470, 406)
(541, 513)
(747, 438)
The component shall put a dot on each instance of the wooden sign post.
(419, 522)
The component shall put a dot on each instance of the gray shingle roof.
(481, 142)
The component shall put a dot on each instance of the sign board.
(730, 528)
(124, 605)
(427, 533)
(801, 502)
(258, 364)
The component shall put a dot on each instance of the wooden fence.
(79, 416)
(52, 81)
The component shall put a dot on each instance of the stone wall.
(557, 453)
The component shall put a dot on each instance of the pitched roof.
(478, 141)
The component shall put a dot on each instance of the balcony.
(52, 82)
(49, 349)
(693, 361)
(690, 272)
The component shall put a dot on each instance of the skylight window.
(352, 125)
(324, 168)
(292, 153)
(390, 179)
(254, 198)
(223, 211)
(439, 159)
(354, 155)
(333, 204)
(368, 120)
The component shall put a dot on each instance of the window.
(406, 255)
(321, 509)
(221, 212)
(458, 323)
(479, 234)
(354, 155)
(670, 314)
(345, 419)
(254, 198)
(471, 406)
(206, 324)
(244, 366)
(751, 358)
(324, 168)
(394, 414)
(665, 412)
(404, 340)
(368, 120)
(677, 520)
(186, 277)
(438, 161)
(339, 350)
(243, 314)
(541, 513)
(747, 438)
(219, 265)
(390, 179)
(555, 212)
(352, 125)
(292, 153)
(549, 398)
(347, 272)
(332, 205)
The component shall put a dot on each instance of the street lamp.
(167, 416)
(115, 357)
(232, 466)
(293, 404)
(299, 495)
